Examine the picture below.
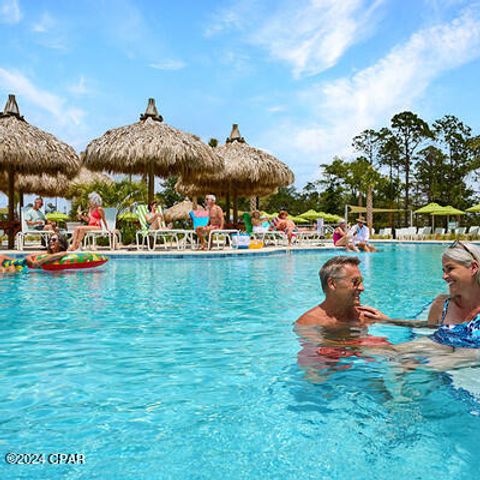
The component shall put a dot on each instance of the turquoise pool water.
(187, 369)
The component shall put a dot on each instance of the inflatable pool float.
(75, 261)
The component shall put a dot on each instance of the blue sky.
(300, 77)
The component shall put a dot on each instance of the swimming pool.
(187, 369)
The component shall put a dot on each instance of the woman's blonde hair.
(464, 253)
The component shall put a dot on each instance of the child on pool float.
(57, 249)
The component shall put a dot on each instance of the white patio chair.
(388, 232)
(439, 231)
(221, 238)
(473, 232)
(460, 230)
(424, 232)
(109, 231)
(22, 235)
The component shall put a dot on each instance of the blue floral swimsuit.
(462, 335)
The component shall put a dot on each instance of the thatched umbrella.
(26, 149)
(248, 170)
(151, 147)
(179, 211)
(53, 185)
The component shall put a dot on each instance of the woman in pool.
(457, 315)
(341, 237)
(56, 249)
(94, 219)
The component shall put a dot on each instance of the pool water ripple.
(179, 368)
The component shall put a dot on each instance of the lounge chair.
(109, 231)
(439, 231)
(216, 238)
(164, 237)
(26, 231)
(460, 231)
(473, 232)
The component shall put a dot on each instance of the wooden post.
(227, 207)
(11, 207)
(194, 203)
(370, 209)
(235, 208)
(151, 182)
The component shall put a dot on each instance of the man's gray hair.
(464, 253)
(333, 268)
(211, 197)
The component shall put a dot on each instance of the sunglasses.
(458, 243)
(52, 239)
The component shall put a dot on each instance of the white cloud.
(10, 11)
(233, 17)
(44, 24)
(80, 87)
(63, 116)
(312, 35)
(169, 65)
(340, 109)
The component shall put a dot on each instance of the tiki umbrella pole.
(235, 207)
(227, 206)
(151, 182)
(11, 207)
(253, 203)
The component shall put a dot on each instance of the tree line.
(402, 166)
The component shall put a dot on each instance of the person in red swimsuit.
(94, 219)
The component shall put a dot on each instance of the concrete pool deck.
(270, 250)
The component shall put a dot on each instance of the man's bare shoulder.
(314, 316)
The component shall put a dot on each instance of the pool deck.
(271, 250)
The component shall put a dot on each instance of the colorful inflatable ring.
(73, 261)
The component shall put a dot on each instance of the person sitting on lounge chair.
(36, 220)
(154, 217)
(260, 223)
(215, 220)
(361, 235)
(285, 225)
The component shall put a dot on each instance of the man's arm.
(222, 218)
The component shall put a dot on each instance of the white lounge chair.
(473, 232)
(439, 231)
(109, 231)
(460, 230)
(26, 231)
(221, 238)
(423, 232)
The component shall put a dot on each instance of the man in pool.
(342, 284)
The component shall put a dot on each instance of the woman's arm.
(34, 263)
(379, 317)
(436, 309)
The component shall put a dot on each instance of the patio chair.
(473, 232)
(109, 231)
(439, 231)
(387, 232)
(460, 231)
(164, 237)
(423, 232)
(22, 235)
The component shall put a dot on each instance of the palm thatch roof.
(27, 149)
(204, 187)
(248, 171)
(53, 185)
(151, 147)
(179, 211)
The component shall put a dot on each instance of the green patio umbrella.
(447, 211)
(298, 219)
(474, 209)
(310, 215)
(431, 207)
